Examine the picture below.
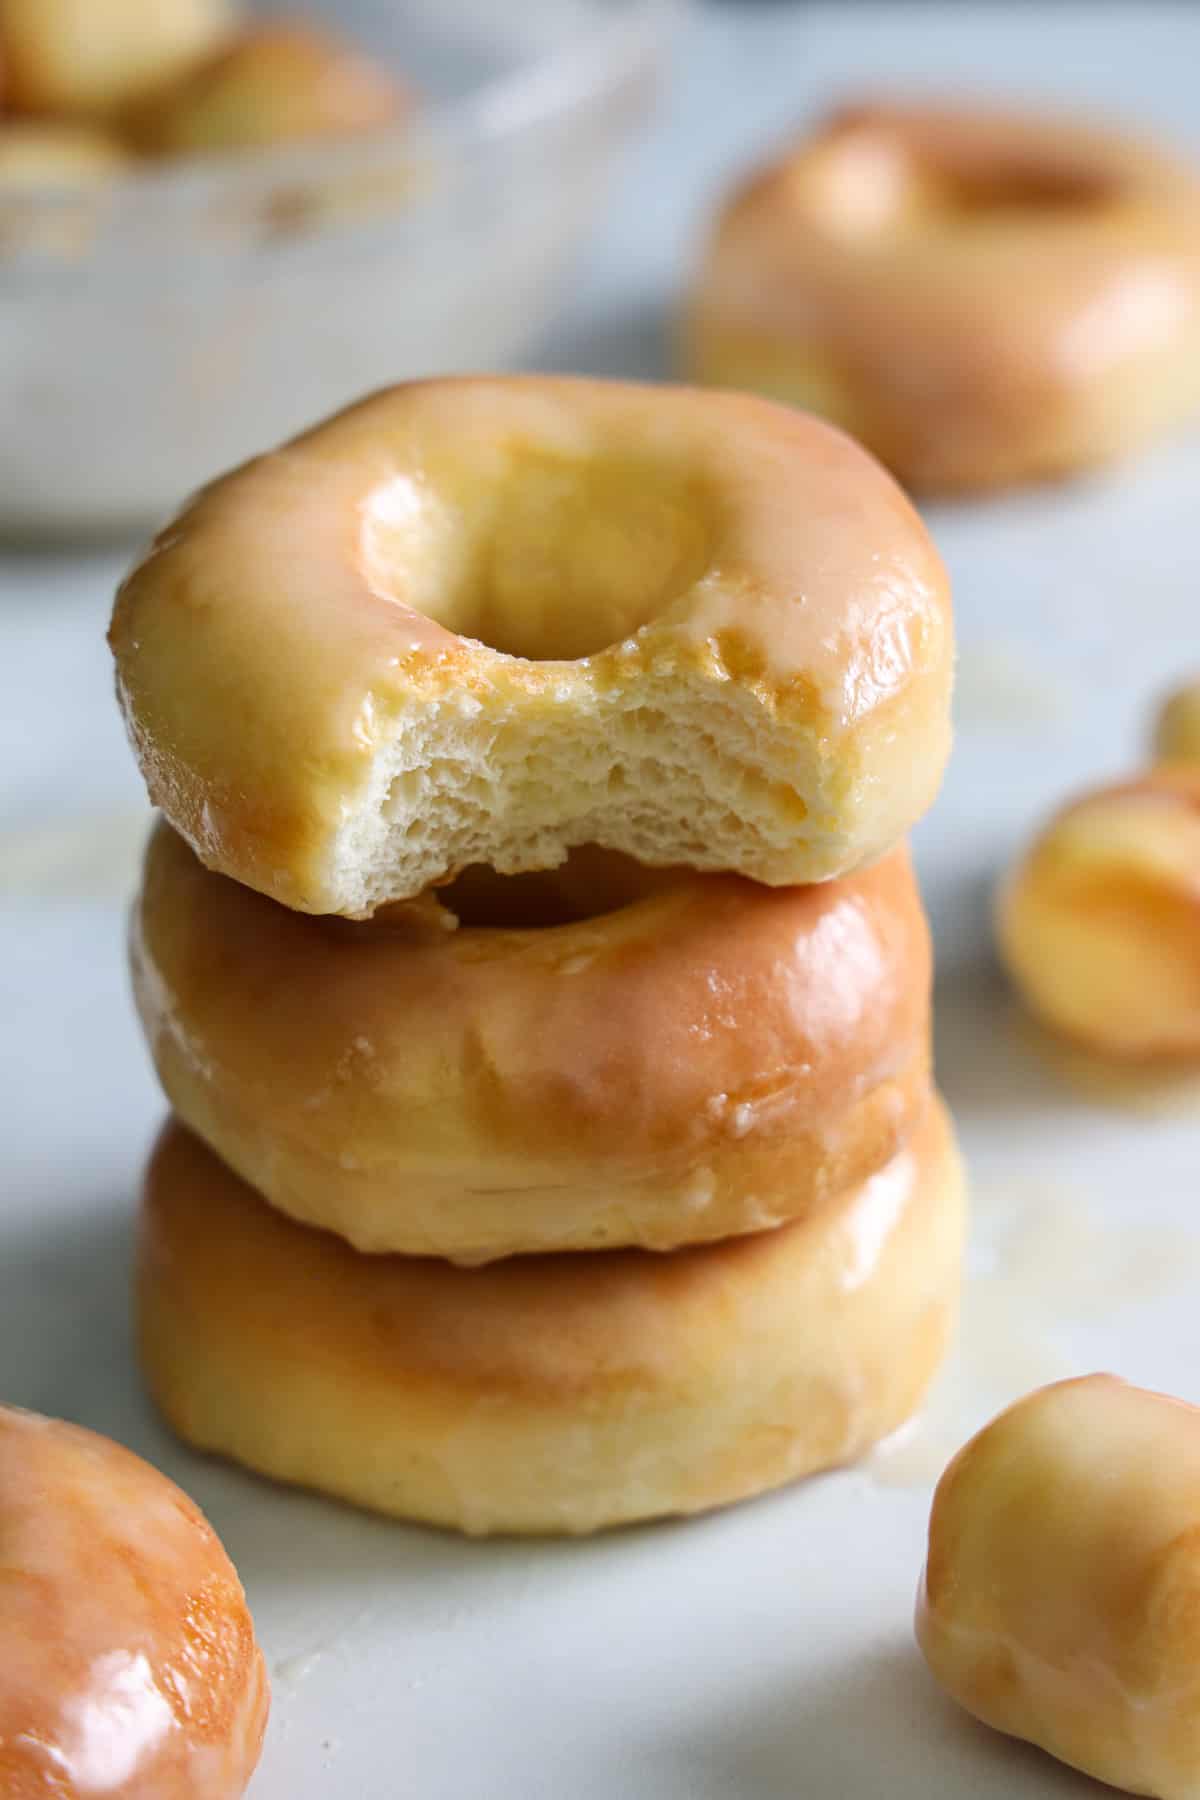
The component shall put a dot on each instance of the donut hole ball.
(128, 1660)
(95, 57)
(537, 552)
(1099, 922)
(1060, 1600)
(274, 84)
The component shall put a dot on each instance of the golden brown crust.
(1061, 1597)
(128, 1662)
(545, 1394)
(982, 296)
(726, 641)
(1099, 920)
(711, 1058)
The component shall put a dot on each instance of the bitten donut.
(1177, 731)
(1061, 1598)
(981, 296)
(95, 56)
(486, 620)
(708, 1057)
(1099, 921)
(128, 1664)
(545, 1394)
(277, 83)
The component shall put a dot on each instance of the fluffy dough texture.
(1099, 921)
(127, 1656)
(95, 56)
(546, 1394)
(1061, 1595)
(712, 1058)
(981, 296)
(484, 620)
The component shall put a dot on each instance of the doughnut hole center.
(590, 884)
(869, 183)
(1026, 189)
(537, 553)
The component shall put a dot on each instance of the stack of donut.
(531, 956)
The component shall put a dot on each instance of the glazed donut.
(1099, 921)
(35, 156)
(1062, 1589)
(277, 83)
(981, 296)
(485, 620)
(95, 56)
(709, 1057)
(128, 1664)
(1177, 732)
(545, 1394)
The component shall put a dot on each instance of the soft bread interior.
(668, 770)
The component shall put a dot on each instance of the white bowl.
(157, 332)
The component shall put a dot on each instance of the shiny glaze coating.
(1061, 1597)
(667, 570)
(546, 1394)
(128, 1665)
(1099, 921)
(982, 296)
(709, 1058)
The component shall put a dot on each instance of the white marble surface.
(765, 1653)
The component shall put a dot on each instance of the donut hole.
(536, 553)
(1027, 188)
(588, 885)
(868, 182)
